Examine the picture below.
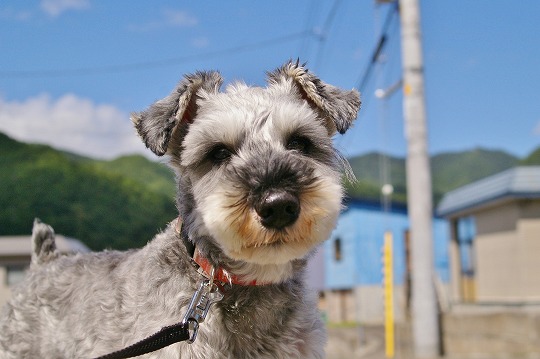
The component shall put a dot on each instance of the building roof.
(364, 203)
(22, 245)
(518, 182)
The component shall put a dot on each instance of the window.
(337, 249)
(15, 274)
(466, 231)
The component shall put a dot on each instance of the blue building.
(353, 261)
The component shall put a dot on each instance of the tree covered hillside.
(449, 171)
(102, 209)
(533, 159)
(155, 176)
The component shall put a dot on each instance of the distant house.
(353, 261)
(495, 238)
(15, 252)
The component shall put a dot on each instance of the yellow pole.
(388, 269)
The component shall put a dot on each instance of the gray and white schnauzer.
(259, 187)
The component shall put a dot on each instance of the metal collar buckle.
(207, 294)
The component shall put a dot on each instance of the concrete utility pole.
(424, 302)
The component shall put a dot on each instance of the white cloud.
(71, 123)
(536, 130)
(179, 18)
(56, 7)
(168, 18)
(17, 15)
(200, 42)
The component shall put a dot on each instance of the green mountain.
(102, 208)
(533, 159)
(453, 170)
(449, 171)
(374, 169)
(154, 175)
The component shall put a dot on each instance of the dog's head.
(256, 166)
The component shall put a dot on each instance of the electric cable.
(323, 35)
(363, 79)
(308, 26)
(147, 65)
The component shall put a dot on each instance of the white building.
(495, 245)
(15, 253)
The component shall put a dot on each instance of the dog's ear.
(338, 107)
(156, 124)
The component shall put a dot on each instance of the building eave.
(514, 184)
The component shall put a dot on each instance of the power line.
(386, 35)
(323, 33)
(147, 65)
(330, 17)
(363, 79)
(309, 21)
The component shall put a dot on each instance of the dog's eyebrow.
(196, 155)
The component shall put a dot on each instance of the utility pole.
(424, 302)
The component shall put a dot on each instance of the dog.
(259, 187)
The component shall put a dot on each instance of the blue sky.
(71, 71)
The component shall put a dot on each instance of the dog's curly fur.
(235, 153)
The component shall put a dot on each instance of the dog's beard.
(236, 226)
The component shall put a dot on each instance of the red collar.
(218, 274)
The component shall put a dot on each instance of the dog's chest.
(256, 326)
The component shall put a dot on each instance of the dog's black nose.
(278, 209)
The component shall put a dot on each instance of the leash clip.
(207, 294)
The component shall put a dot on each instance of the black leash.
(166, 336)
(208, 293)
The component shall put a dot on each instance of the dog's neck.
(216, 273)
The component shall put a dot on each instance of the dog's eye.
(299, 143)
(219, 154)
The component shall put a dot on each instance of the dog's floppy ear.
(156, 124)
(338, 107)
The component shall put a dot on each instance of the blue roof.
(363, 203)
(519, 182)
